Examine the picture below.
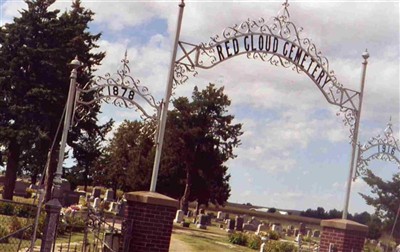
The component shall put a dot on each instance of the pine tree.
(34, 79)
(200, 138)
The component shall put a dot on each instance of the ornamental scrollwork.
(281, 43)
(119, 89)
(385, 148)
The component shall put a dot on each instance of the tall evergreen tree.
(200, 138)
(34, 80)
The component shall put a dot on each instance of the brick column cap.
(344, 224)
(151, 198)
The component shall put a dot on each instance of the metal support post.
(168, 91)
(365, 55)
(53, 207)
(67, 120)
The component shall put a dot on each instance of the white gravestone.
(179, 216)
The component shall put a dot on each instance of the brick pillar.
(342, 236)
(149, 218)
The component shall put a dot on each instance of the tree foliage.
(34, 79)
(200, 138)
(127, 160)
(385, 199)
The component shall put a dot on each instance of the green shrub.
(254, 242)
(272, 235)
(278, 246)
(24, 211)
(3, 232)
(6, 208)
(238, 239)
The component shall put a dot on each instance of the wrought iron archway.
(277, 41)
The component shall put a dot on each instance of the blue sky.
(295, 152)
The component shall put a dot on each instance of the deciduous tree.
(385, 199)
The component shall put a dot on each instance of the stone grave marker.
(114, 207)
(20, 188)
(109, 196)
(254, 222)
(220, 215)
(277, 228)
(189, 213)
(96, 203)
(262, 228)
(249, 227)
(179, 216)
(70, 198)
(302, 228)
(316, 233)
(296, 232)
(231, 225)
(202, 211)
(202, 222)
(309, 232)
(96, 192)
(239, 223)
(122, 205)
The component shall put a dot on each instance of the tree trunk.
(188, 189)
(50, 173)
(11, 170)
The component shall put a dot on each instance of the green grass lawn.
(211, 239)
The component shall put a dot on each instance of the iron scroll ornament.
(119, 89)
(384, 148)
(279, 42)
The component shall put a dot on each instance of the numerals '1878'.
(118, 91)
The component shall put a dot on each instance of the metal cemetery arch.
(384, 148)
(277, 41)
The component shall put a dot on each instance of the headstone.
(179, 216)
(207, 220)
(70, 198)
(309, 233)
(231, 226)
(96, 203)
(290, 227)
(254, 222)
(220, 215)
(262, 228)
(202, 221)
(227, 216)
(114, 207)
(249, 227)
(316, 233)
(289, 232)
(239, 223)
(109, 196)
(20, 188)
(302, 228)
(122, 205)
(189, 213)
(296, 232)
(202, 211)
(277, 228)
(96, 192)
